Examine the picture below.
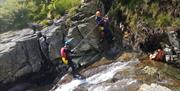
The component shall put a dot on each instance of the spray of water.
(107, 73)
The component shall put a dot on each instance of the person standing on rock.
(34, 27)
(66, 56)
(107, 33)
(99, 24)
(103, 27)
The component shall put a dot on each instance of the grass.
(154, 9)
(66, 5)
(60, 7)
(163, 20)
(176, 22)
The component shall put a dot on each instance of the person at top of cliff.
(99, 18)
(99, 24)
(66, 56)
(103, 27)
(34, 27)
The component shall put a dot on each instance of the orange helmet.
(98, 13)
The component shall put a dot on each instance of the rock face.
(55, 39)
(153, 87)
(84, 34)
(88, 34)
(21, 52)
(19, 55)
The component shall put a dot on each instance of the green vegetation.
(157, 13)
(16, 14)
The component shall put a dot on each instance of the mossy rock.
(174, 72)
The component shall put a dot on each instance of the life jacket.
(99, 21)
(63, 52)
(160, 55)
(63, 55)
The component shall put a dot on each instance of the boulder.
(55, 37)
(19, 54)
(90, 36)
(153, 87)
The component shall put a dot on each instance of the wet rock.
(150, 70)
(22, 87)
(120, 85)
(153, 87)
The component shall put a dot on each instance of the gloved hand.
(72, 51)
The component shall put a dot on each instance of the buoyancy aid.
(64, 55)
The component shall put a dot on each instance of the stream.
(118, 75)
(97, 82)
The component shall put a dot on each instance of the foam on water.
(100, 77)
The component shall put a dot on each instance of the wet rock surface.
(129, 75)
(153, 87)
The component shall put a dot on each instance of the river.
(119, 75)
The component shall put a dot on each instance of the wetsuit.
(69, 58)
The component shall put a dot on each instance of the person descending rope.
(66, 56)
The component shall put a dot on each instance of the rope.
(87, 36)
(84, 37)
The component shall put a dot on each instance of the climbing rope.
(74, 49)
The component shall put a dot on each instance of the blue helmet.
(68, 42)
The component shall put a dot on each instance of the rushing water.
(97, 81)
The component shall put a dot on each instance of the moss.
(173, 72)
(73, 11)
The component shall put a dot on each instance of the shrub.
(16, 14)
(163, 20)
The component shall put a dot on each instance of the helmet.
(98, 13)
(68, 42)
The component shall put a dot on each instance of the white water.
(107, 73)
